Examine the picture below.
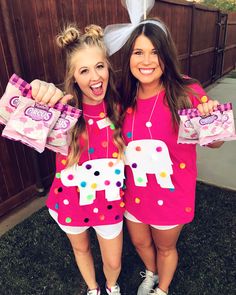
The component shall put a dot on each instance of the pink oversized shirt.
(65, 200)
(153, 204)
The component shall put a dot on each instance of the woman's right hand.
(48, 93)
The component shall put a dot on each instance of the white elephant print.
(95, 175)
(149, 156)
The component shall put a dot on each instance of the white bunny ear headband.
(115, 36)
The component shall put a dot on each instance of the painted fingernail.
(204, 99)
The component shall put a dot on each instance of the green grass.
(36, 258)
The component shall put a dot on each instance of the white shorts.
(160, 227)
(107, 232)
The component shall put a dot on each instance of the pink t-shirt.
(161, 174)
(96, 208)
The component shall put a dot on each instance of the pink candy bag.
(33, 124)
(10, 99)
(219, 125)
(30, 123)
(58, 139)
(187, 133)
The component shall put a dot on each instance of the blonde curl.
(68, 36)
(94, 31)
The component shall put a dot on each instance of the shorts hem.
(132, 218)
(101, 230)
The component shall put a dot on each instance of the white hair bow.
(115, 36)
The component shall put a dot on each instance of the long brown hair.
(73, 41)
(177, 88)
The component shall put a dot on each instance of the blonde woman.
(87, 188)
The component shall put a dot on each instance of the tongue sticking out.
(97, 90)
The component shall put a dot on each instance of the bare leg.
(83, 256)
(111, 251)
(141, 237)
(167, 256)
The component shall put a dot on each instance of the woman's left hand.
(208, 107)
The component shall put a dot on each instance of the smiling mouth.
(97, 89)
(146, 71)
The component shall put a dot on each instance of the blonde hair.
(72, 40)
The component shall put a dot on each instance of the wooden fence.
(205, 39)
